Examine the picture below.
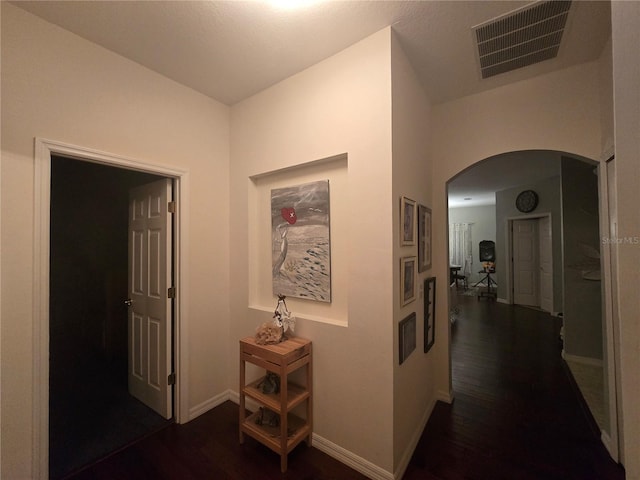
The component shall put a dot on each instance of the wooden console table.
(282, 359)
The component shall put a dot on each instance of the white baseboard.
(503, 300)
(446, 397)
(350, 459)
(343, 455)
(359, 464)
(606, 441)
(594, 362)
(406, 457)
(209, 404)
(347, 457)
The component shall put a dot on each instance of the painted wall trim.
(304, 316)
(44, 149)
(335, 451)
(607, 210)
(406, 457)
(350, 459)
(611, 447)
(211, 403)
(446, 397)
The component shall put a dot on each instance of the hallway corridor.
(515, 415)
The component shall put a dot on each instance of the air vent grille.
(522, 38)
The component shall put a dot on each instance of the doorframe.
(44, 149)
(509, 253)
(614, 439)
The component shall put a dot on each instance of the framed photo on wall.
(408, 276)
(407, 337)
(429, 313)
(424, 238)
(407, 221)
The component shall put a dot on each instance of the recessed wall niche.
(261, 295)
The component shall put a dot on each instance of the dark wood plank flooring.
(208, 448)
(515, 416)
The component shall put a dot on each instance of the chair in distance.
(458, 276)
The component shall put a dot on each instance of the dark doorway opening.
(91, 413)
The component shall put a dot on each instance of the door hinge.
(171, 292)
(171, 207)
(171, 379)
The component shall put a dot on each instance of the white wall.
(583, 318)
(626, 70)
(558, 111)
(484, 228)
(606, 96)
(414, 389)
(339, 106)
(60, 87)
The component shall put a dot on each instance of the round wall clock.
(527, 201)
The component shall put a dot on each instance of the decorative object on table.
(407, 221)
(282, 316)
(273, 332)
(407, 280)
(267, 417)
(407, 336)
(270, 383)
(301, 248)
(429, 312)
(269, 334)
(424, 238)
(527, 201)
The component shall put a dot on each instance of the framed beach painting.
(301, 245)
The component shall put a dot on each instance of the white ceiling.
(230, 50)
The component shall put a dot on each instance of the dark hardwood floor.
(208, 448)
(515, 416)
(92, 414)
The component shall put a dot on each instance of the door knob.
(128, 302)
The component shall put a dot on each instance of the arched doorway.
(483, 196)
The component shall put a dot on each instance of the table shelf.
(282, 359)
(296, 394)
(297, 430)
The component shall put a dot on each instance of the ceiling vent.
(520, 38)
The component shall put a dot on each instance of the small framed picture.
(407, 221)
(429, 313)
(408, 275)
(407, 337)
(424, 238)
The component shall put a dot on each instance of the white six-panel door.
(525, 263)
(150, 316)
(546, 263)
